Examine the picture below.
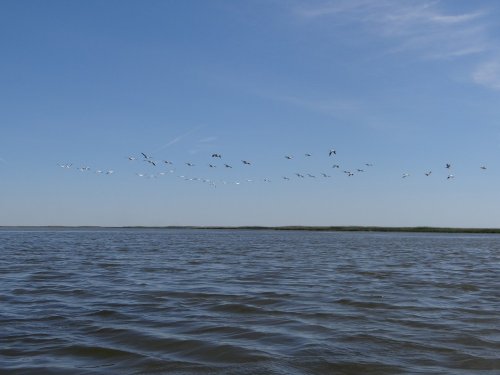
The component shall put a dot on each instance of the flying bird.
(332, 152)
(245, 162)
(288, 157)
(227, 166)
(405, 175)
(190, 164)
(428, 173)
(217, 156)
(483, 167)
(307, 155)
(448, 165)
(450, 176)
(335, 166)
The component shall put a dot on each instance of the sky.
(403, 86)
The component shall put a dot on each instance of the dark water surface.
(139, 301)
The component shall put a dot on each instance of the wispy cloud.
(488, 74)
(420, 27)
(208, 139)
(178, 138)
(203, 144)
(332, 107)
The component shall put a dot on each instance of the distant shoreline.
(420, 229)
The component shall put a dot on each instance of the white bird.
(131, 158)
(405, 175)
(288, 157)
(332, 152)
(65, 165)
(428, 173)
(450, 176)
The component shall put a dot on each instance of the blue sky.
(407, 86)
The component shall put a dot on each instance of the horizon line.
(326, 228)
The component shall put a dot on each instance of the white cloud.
(178, 138)
(329, 106)
(488, 74)
(421, 27)
(208, 139)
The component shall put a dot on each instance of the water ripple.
(245, 302)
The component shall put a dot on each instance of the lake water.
(182, 301)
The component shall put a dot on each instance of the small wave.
(237, 308)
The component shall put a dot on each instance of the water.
(140, 301)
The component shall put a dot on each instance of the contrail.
(178, 138)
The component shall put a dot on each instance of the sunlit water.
(138, 301)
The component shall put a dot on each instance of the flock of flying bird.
(332, 153)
